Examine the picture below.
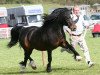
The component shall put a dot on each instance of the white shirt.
(79, 25)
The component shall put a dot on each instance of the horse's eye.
(68, 17)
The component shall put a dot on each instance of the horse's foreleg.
(49, 61)
(76, 54)
(32, 63)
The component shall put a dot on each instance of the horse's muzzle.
(74, 29)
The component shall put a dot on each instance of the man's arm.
(66, 29)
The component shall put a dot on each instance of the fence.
(5, 32)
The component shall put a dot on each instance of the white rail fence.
(5, 32)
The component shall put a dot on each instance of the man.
(77, 36)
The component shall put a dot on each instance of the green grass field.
(62, 64)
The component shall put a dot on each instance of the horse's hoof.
(32, 64)
(22, 67)
(22, 71)
(49, 70)
(78, 58)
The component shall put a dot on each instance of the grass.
(62, 64)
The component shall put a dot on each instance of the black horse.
(48, 37)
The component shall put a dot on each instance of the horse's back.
(28, 29)
(25, 35)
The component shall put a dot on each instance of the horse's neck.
(53, 26)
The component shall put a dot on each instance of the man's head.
(76, 10)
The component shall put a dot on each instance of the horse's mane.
(55, 16)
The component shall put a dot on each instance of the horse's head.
(67, 19)
(60, 16)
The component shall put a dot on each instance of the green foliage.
(63, 2)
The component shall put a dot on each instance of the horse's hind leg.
(26, 57)
(32, 63)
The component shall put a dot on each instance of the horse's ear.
(71, 10)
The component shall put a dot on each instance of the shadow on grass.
(37, 72)
(68, 69)
(27, 72)
(54, 69)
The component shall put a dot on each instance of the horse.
(45, 38)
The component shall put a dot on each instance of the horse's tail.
(15, 31)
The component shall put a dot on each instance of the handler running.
(77, 36)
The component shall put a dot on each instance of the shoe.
(67, 50)
(90, 64)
